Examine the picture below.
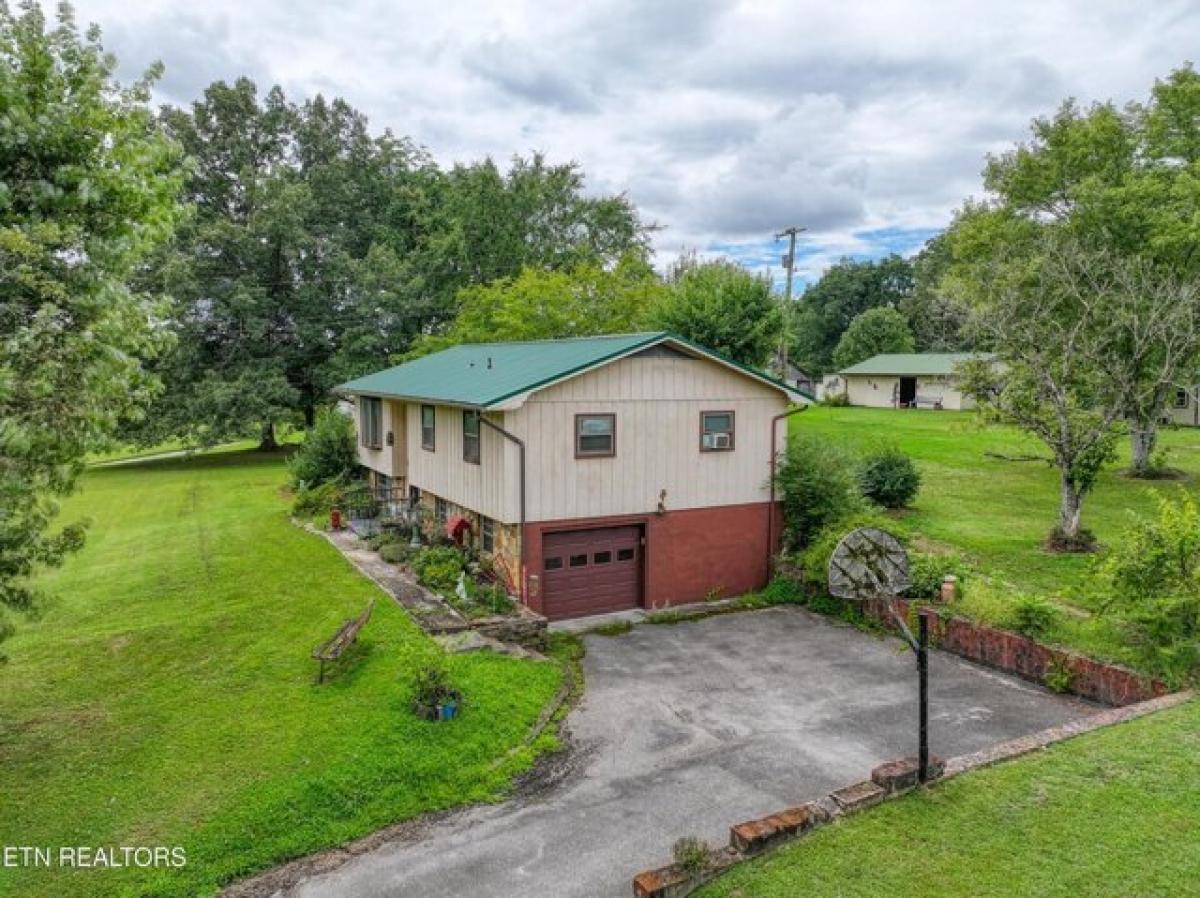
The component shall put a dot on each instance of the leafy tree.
(877, 330)
(817, 485)
(88, 186)
(539, 304)
(721, 305)
(846, 290)
(1126, 181)
(329, 452)
(1057, 313)
(936, 318)
(318, 251)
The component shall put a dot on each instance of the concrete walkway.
(687, 729)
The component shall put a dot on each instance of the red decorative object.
(457, 528)
(335, 520)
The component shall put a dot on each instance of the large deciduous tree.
(846, 290)
(88, 186)
(1127, 181)
(882, 329)
(721, 305)
(318, 252)
(539, 304)
(1058, 315)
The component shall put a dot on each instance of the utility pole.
(789, 262)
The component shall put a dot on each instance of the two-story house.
(602, 473)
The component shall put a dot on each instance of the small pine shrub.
(1032, 616)
(836, 400)
(888, 477)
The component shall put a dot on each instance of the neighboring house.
(602, 473)
(792, 374)
(1183, 407)
(902, 380)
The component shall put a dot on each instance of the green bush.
(817, 485)
(836, 400)
(439, 567)
(396, 552)
(1032, 616)
(814, 560)
(888, 477)
(926, 573)
(329, 452)
(692, 855)
(318, 500)
(1150, 581)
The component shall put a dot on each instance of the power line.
(789, 262)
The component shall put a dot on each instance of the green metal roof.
(913, 363)
(482, 375)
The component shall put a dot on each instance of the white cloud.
(723, 120)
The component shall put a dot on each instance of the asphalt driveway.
(687, 729)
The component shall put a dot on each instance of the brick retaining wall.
(1025, 657)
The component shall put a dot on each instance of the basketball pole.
(923, 677)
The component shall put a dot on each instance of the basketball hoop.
(870, 563)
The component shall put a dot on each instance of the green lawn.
(997, 512)
(1114, 813)
(167, 696)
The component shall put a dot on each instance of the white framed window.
(1181, 398)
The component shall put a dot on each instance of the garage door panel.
(591, 571)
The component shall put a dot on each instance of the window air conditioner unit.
(716, 441)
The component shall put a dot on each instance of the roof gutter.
(521, 488)
(771, 506)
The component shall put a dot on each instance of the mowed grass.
(1113, 813)
(167, 697)
(995, 510)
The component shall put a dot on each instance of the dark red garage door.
(591, 571)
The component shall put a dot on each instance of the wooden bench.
(332, 649)
(927, 402)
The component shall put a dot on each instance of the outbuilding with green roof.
(903, 380)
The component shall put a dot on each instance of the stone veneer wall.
(506, 550)
(1016, 654)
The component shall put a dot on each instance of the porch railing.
(368, 509)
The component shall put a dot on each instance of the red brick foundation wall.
(1016, 654)
(689, 553)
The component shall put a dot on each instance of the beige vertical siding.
(657, 402)
(1184, 413)
(880, 391)
(489, 487)
(389, 460)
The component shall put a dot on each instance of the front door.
(908, 391)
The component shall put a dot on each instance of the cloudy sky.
(867, 123)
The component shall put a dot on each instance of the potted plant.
(434, 698)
